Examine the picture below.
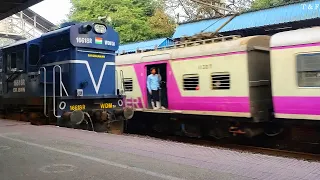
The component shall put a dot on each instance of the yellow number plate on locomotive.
(77, 107)
(106, 105)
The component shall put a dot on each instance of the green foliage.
(134, 20)
(161, 24)
(262, 4)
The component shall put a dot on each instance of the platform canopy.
(10, 7)
(291, 16)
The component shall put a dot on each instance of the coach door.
(162, 70)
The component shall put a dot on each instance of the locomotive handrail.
(44, 90)
(116, 87)
(122, 80)
(54, 87)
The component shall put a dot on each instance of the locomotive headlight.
(100, 29)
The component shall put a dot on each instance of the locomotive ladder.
(61, 86)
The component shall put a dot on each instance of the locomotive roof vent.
(66, 24)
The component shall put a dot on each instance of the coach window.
(127, 84)
(308, 70)
(220, 80)
(34, 52)
(190, 82)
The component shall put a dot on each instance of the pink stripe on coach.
(296, 46)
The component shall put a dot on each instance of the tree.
(134, 20)
(239, 5)
(161, 24)
(189, 10)
(261, 4)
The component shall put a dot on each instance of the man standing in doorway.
(153, 85)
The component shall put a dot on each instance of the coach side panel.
(220, 84)
(128, 83)
(295, 81)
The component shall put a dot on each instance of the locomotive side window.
(1, 65)
(13, 64)
(20, 60)
(220, 80)
(15, 61)
(190, 82)
(8, 62)
(54, 43)
(308, 70)
(1, 62)
(33, 54)
(127, 84)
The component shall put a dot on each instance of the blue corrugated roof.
(145, 45)
(277, 15)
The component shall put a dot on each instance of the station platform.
(49, 152)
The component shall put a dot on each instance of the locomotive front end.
(96, 114)
(84, 84)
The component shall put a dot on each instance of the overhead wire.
(215, 22)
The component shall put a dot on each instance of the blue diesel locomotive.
(65, 77)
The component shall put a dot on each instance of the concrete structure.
(23, 25)
(10, 7)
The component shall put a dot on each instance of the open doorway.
(162, 70)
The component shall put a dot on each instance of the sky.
(53, 10)
(56, 10)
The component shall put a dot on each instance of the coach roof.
(300, 36)
(240, 44)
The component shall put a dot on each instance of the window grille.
(190, 82)
(220, 80)
(128, 84)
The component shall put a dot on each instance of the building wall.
(15, 28)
